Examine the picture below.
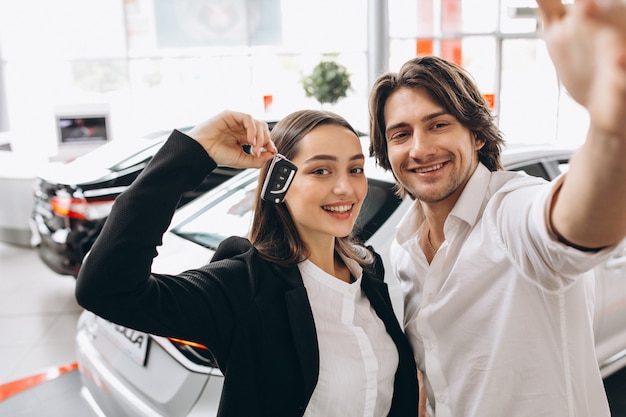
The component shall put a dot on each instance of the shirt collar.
(470, 203)
(308, 268)
(468, 207)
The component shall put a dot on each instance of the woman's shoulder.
(241, 251)
(232, 246)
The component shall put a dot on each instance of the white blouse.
(358, 359)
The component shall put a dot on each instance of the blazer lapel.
(302, 326)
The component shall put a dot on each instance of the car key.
(278, 179)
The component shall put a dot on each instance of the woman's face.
(327, 192)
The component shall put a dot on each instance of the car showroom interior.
(91, 90)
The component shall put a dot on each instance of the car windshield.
(229, 212)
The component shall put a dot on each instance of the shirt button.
(442, 398)
(429, 345)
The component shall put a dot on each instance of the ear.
(478, 143)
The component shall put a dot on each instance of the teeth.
(338, 209)
(432, 168)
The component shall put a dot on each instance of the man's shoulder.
(506, 181)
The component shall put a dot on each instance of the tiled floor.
(38, 315)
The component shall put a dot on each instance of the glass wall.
(158, 64)
(498, 41)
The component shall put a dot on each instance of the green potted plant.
(328, 83)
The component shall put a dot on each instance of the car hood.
(101, 162)
(60, 173)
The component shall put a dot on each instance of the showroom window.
(159, 64)
(498, 42)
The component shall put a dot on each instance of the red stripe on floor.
(11, 388)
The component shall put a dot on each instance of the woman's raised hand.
(224, 135)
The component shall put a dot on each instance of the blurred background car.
(129, 373)
(72, 200)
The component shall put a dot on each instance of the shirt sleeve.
(520, 215)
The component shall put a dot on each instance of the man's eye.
(358, 170)
(397, 136)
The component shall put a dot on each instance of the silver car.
(129, 373)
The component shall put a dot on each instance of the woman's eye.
(357, 170)
(321, 171)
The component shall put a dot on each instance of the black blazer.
(253, 315)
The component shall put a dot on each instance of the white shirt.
(358, 359)
(501, 320)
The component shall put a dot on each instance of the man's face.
(431, 154)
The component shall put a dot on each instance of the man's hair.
(273, 231)
(450, 86)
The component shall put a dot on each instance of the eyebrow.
(324, 157)
(423, 119)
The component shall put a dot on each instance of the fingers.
(261, 139)
(255, 132)
(224, 135)
(551, 10)
(608, 11)
(612, 12)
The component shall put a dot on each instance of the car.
(129, 373)
(72, 200)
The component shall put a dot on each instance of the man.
(495, 266)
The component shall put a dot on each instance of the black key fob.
(278, 179)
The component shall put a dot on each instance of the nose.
(420, 146)
(343, 185)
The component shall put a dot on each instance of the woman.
(298, 317)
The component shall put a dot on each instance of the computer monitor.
(82, 128)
